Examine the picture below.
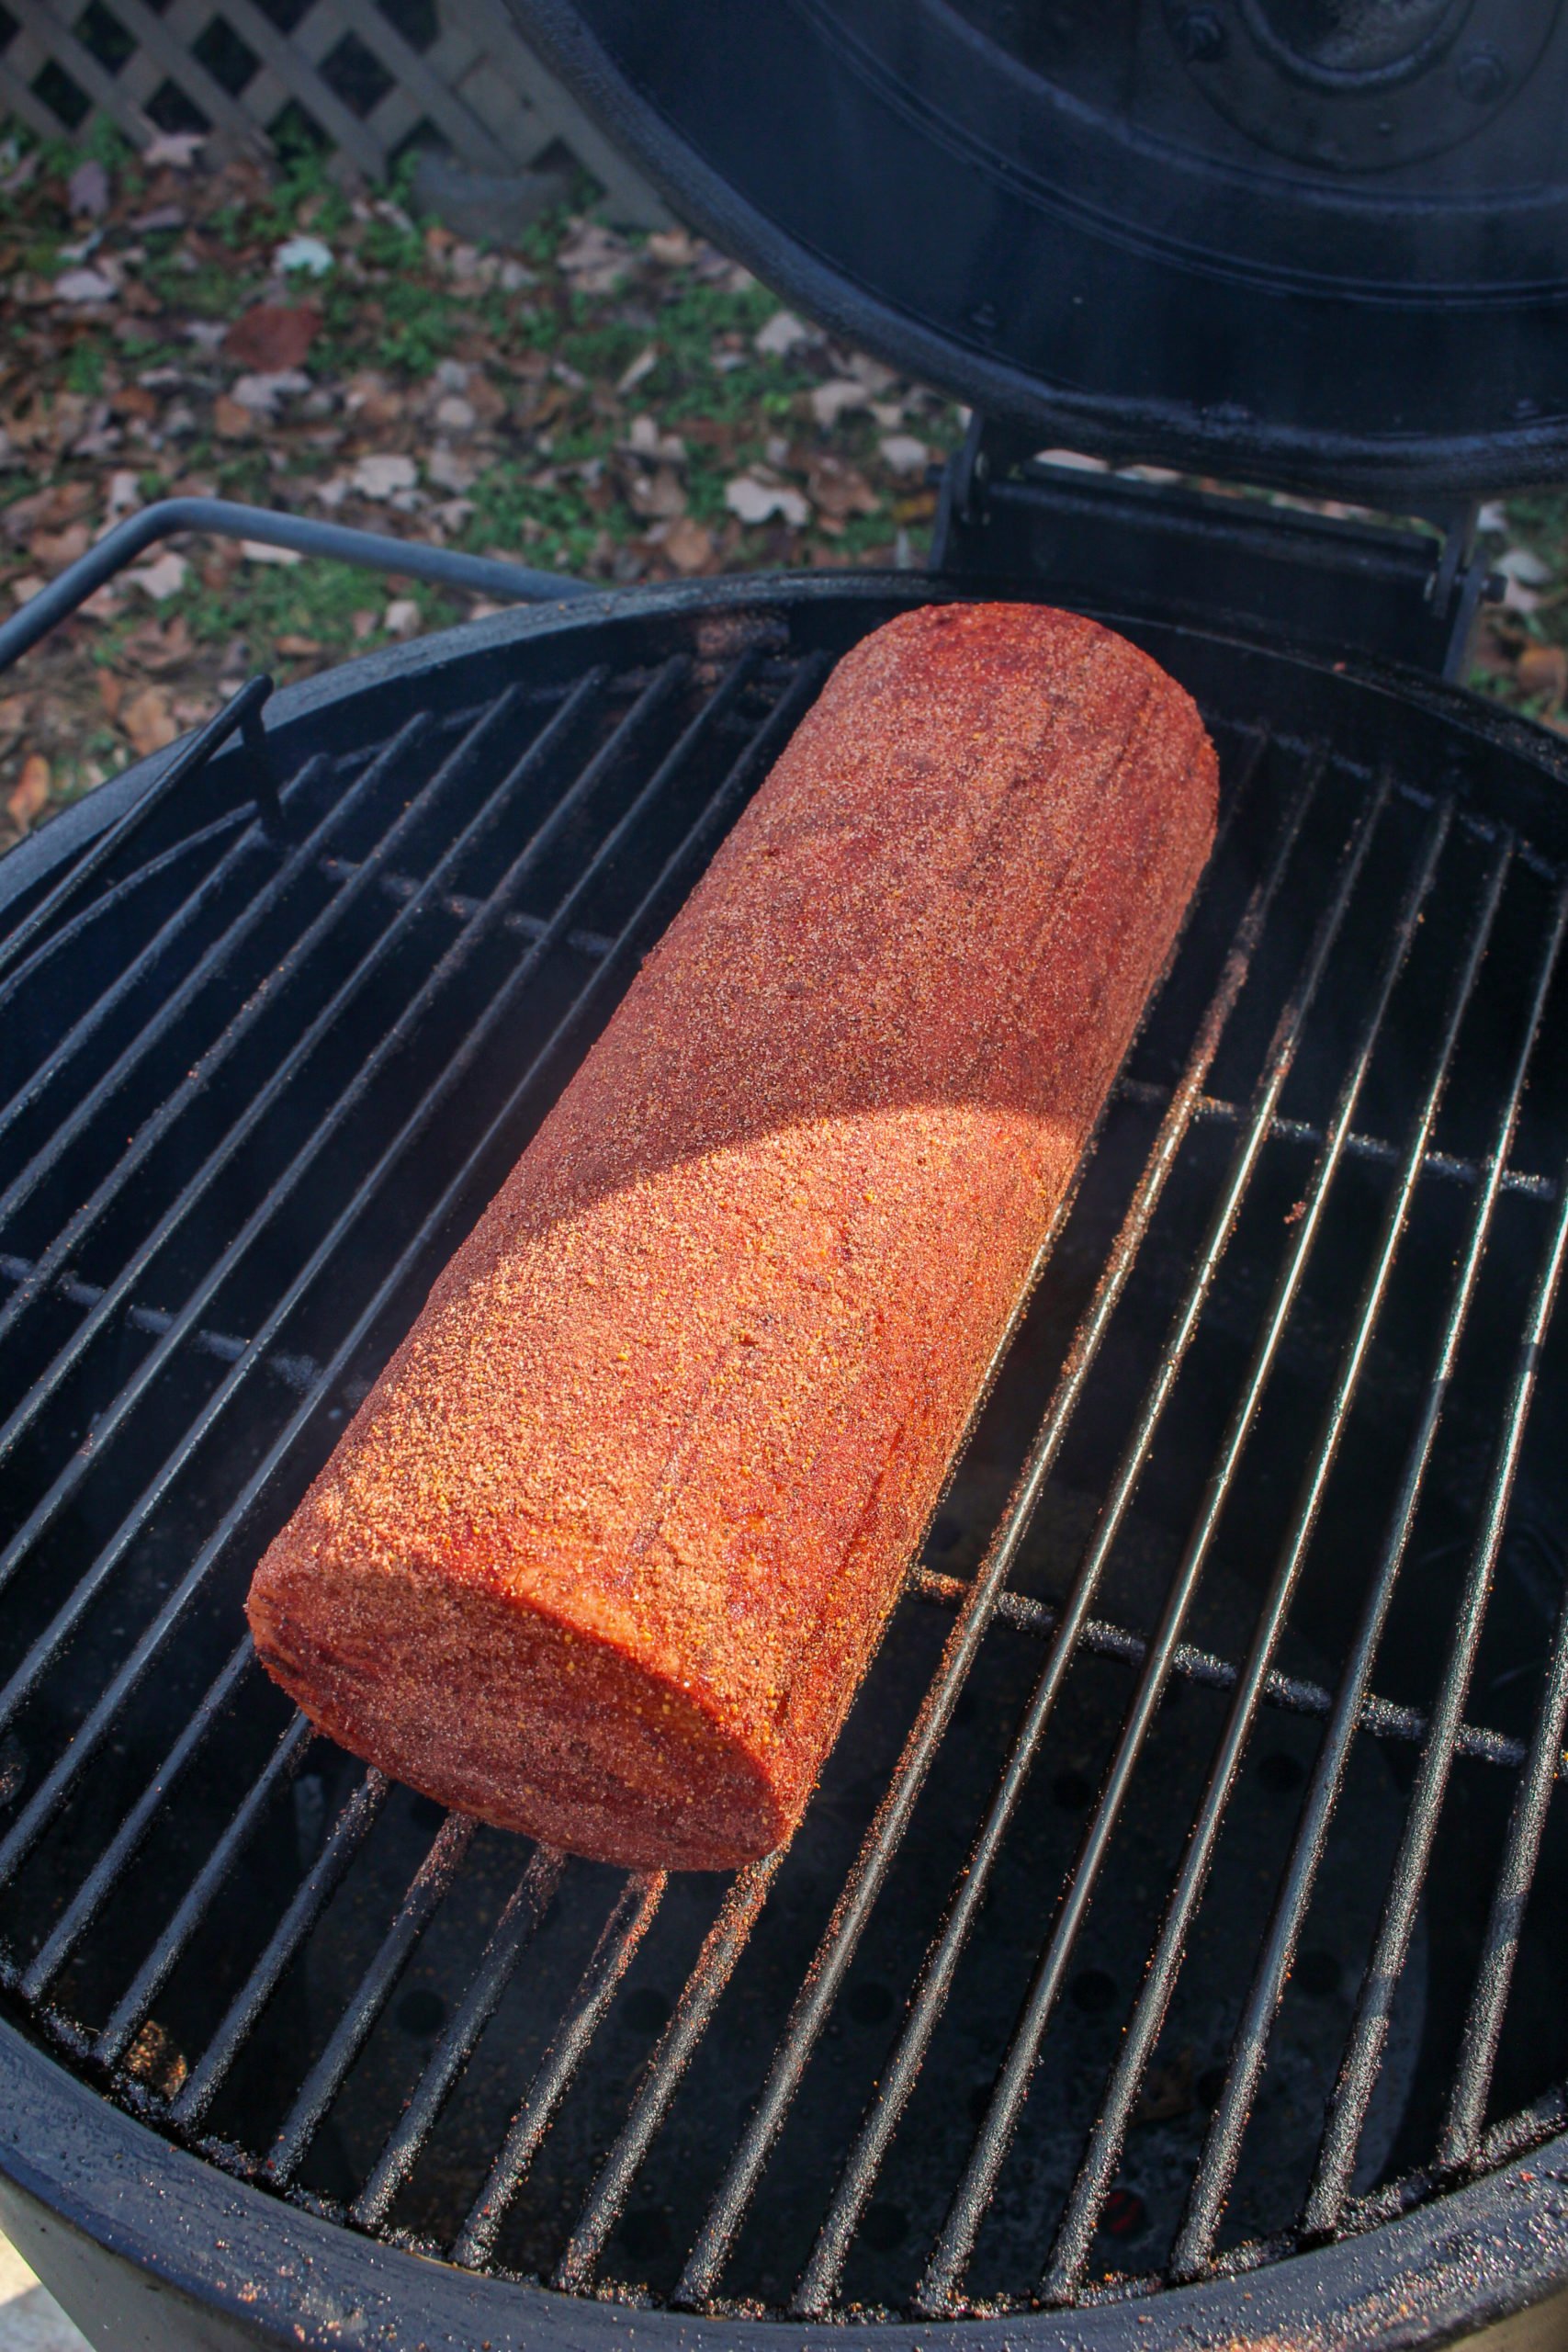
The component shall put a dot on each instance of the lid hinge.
(1147, 545)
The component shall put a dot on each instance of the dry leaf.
(48, 510)
(111, 691)
(230, 421)
(839, 490)
(370, 399)
(29, 796)
(55, 549)
(88, 188)
(755, 501)
(164, 576)
(149, 721)
(672, 248)
(689, 544)
(380, 477)
(1542, 672)
(299, 649)
(904, 454)
(658, 495)
(835, 398)
(273, 337)
(157, 646)
(782, 334)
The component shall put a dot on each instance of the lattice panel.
(366, 77)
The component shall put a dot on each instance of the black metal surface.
(1263, 1440)
(222, 518)
(1327, 586)
(1326, 247)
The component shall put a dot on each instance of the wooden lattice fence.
(368, 77)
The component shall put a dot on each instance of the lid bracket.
(1339, 585)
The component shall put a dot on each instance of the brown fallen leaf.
(300, 647)
(231, 421)
(1542, 672)
(689, 544)
(48, 510)
(659, 495)
(158, 645)
(111, 691)
(272, 337)
(370, 400)
(839, 490)
(134, 399)
(29, 796)
(149, 721)
(55, 549)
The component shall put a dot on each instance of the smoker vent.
(1186, 1887)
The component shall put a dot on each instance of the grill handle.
(221, 518)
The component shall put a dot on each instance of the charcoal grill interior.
(1186, 1887)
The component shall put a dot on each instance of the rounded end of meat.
(507, 1714)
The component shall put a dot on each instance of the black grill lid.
(1322, 242)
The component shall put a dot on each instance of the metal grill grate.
(1240, 1639)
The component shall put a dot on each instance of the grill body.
(272, 2033)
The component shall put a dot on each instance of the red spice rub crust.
(607, 1550)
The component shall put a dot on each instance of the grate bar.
(951, 2254)
(980, 1599)
(518, 1923)
(315, 1892)
(1193, 2250)
(1216, 1109)
(129, 1838)
(262, 1103)
(225, 1347)
(251, 841)
(73, 932)
(1290, 1692)
(618, 1938)
(722, 1947)
(250, 1120)
(402, 886)
(1484, 2024)
(1368, 2030)
(1081, 2219)
(45, 1647)
(299, 861)
(431, 1883)
(48, 1798)
(243, 710)
(154, 1971)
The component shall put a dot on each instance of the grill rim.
(1457, 2263)
(399, 672)
(1467, 2255)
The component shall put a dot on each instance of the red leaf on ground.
(272, 337)
(29, 796)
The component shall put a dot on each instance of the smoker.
(1173, 1952)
